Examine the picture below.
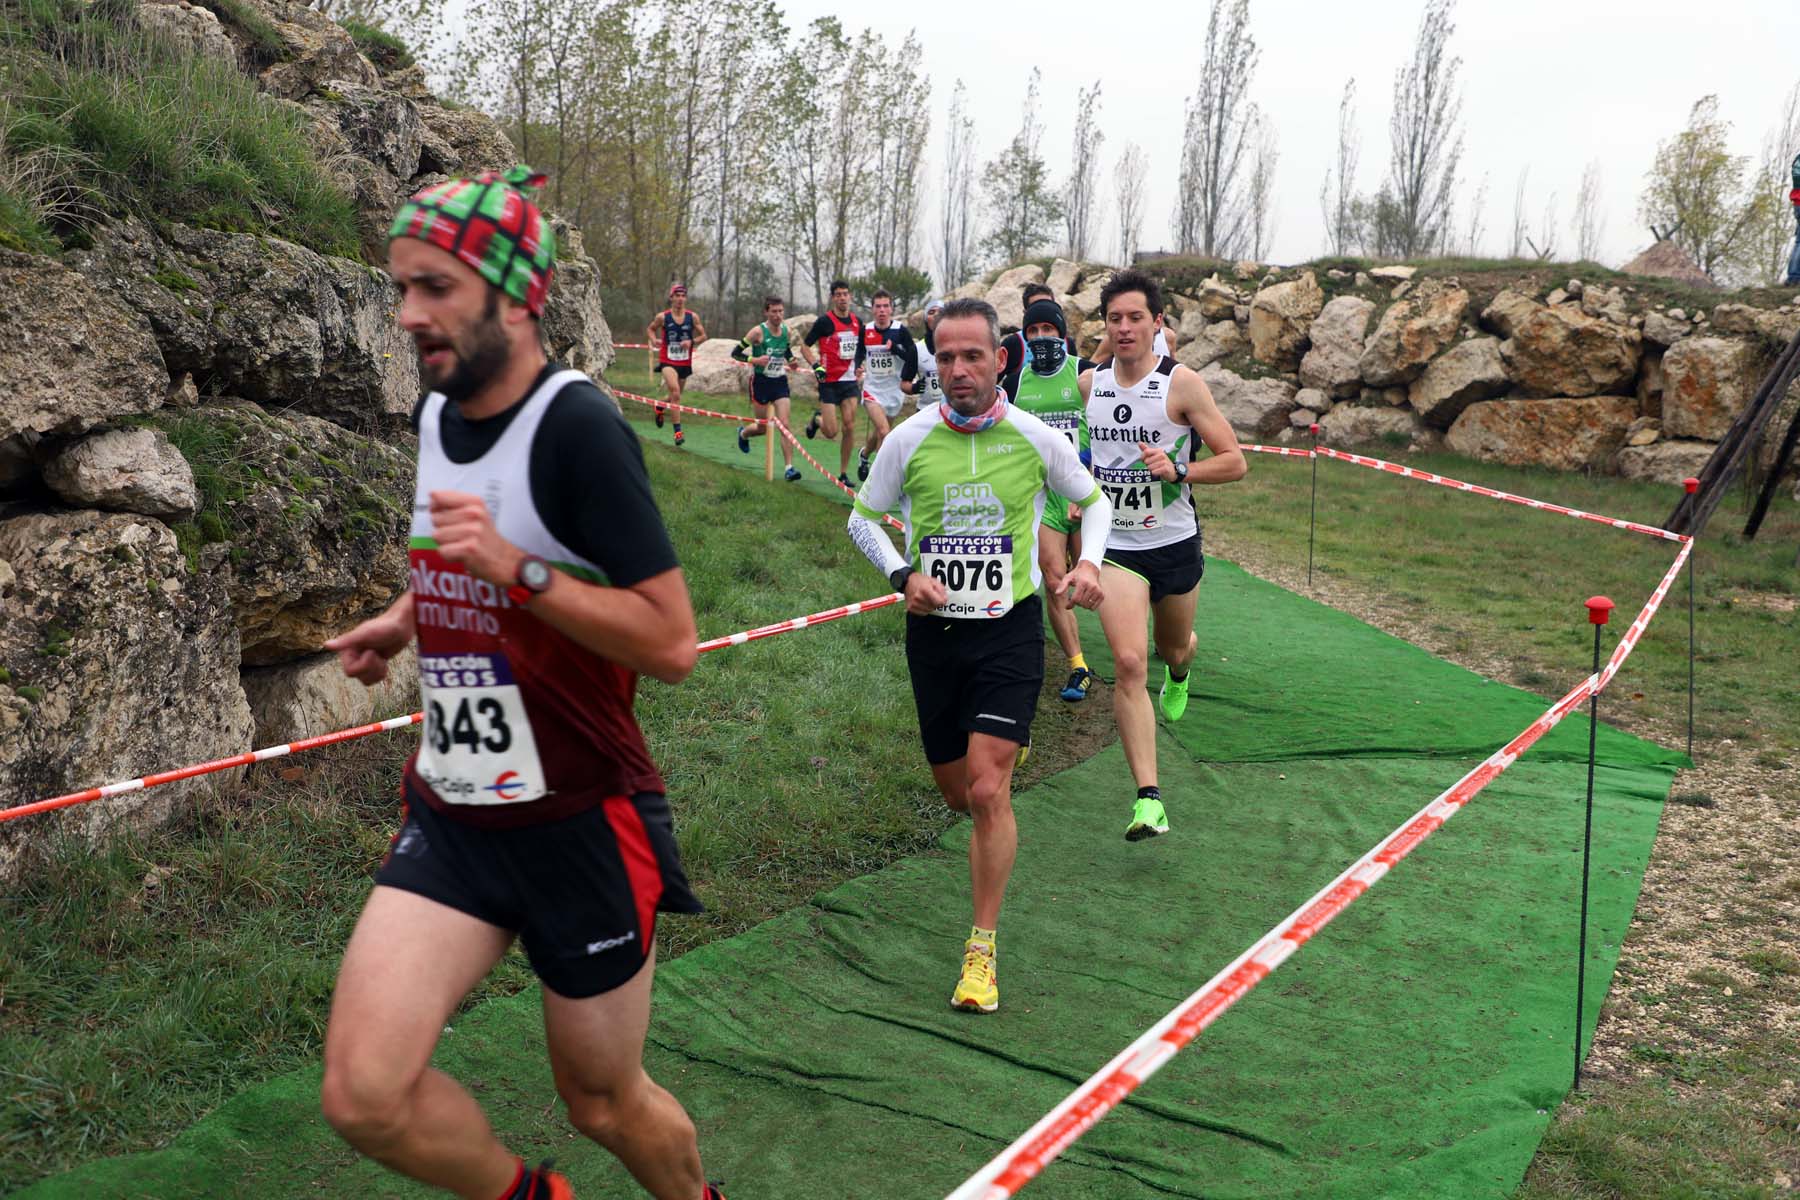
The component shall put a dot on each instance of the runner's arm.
(1067, 477)
(699, 330)
(1194, 399)
(820, 328)
(647, 627)
(909, 358)
(880, 493)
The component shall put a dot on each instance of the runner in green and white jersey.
(1049, 388)
(767, 350)
(970, 478)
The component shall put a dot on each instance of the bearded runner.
(970, 477)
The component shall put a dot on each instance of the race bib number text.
(976, 571)
(477, 747)
(1136, 495)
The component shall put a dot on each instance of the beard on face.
(481, 353)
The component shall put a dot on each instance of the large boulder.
(313, 696)
(119, 660)
(1507, 311)
(1707, 381)
(1337, 336)
(574, 326)
(1018, 277)
(1775, 326)
(1213, 342)
(1412, 332)
(125, 470)
(1467, 372)
(1064, 276)
(1664, 461)
(1218, 300)
(1257, 408)
(195, 29)
(314, 48)
(292, 328)
(715, 371)
(131, 263)
(316, 520)
(1663, 329)
(462, 141)
(72, 355)
(1566, 434)
(1360, 424)
(371, 141)
(1280, 317)
(1561, 351)
(1009, 304)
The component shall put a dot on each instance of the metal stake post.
(1599, 609)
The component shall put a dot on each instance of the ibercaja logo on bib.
(972, 508)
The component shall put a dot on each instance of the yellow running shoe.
(979, 988)
(1173, 697)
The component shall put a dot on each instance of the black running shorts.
(682, 370)
(1169, 570)
(844, 391)
(765, 390)
(975, 676)
(582, 893)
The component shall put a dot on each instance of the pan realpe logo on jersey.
(972, 508)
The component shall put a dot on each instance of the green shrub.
(380, 47)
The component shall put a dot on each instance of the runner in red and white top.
(675, 332)
(542, 584)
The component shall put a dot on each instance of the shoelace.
(981, 964)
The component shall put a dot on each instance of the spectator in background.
(1793, 271)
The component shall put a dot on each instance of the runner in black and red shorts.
(839, 365)
(675, 331)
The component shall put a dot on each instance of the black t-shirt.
(588, 479)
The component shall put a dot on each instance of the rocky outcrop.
(118, 659)
(125, 470)
(1063, 276)
(1411, 334)
(1707, 381)
(196, 30)
(1215, 341)
(715, 371)
(1664, 461)
(303, 698)
(1561, 351)
(1507, 311)
(1567, 434)
(1218, 300)
(1467, 372)
(1332, 364)
(71, 354)
(1280, 317)
(1360, 424)
(314, 48)
(1257, 408)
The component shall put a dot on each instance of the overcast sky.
(1547, 83)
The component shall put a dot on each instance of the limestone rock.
(1563, 352)
(72, 355)
(1394, 397)
(1606, 303)
(1645, 431)
(1467, 372)
(120, 660)
(1304, 416)
(976, 290)
(1064, 276)
(1707, 381)
(1507, 311)
(1216, 341)
(1575, 288)
(1193, 323)
(715, 372)
(574, 325)
(1398, 273)
(1359, 424)
(1564, 433)
(313, 696)
(18, 463)
(1412, 332)
(289, 327)
(1280, 317)
(1009, 304)
(462, 141)
(1651, 382)
(1557, 296)
(1743, 320)
(1218, 300)
(317, 533)
(1257, 408)
(1331, 365)
(132, 263)
(125, 470)
(1018, 277)
(1363, 280)
(1663, 329)
(1664, 461)
(195, 29)
(315, 49)
(382, 135)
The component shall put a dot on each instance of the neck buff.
(980, 421)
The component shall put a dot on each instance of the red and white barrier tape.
(1286, 451)
(344, 735)
(740, 418)
(1022, 1161)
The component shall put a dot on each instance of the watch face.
(534, 573)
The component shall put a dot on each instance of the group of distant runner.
(543, 583)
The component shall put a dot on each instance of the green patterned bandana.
(492, 223)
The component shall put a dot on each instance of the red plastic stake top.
(1315, 429)
(1691, 484)
(1599, 610)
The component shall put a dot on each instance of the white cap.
(934, 306)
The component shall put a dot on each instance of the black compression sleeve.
(909, 355)
(589, 484)
(821, 328)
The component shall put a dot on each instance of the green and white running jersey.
(1056, 400)
(971, 502)
(775, 345)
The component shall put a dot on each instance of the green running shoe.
(1173, 697)
(1147, 820)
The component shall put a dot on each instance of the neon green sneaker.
(1147, 819)
(979, 988)
(1173, 697)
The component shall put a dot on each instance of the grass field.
(146, 982)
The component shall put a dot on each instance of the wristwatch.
(533, 580)
(898, 579)
(1180, 470)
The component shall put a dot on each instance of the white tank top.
(1159, 345)
(1146, 511)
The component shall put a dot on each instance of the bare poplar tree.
(1211, 213)
(1081, 195)
(1128, 180)
(956, 197)
(1521, 220)
(1543, 247)
(1476, 228)
(1589, 221)
(1424, 133)
(1264, 156)
(1025, 207)
(1337, 195)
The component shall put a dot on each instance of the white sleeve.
(1096, 524)
(874, 544)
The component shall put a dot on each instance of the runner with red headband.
(675, 331)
